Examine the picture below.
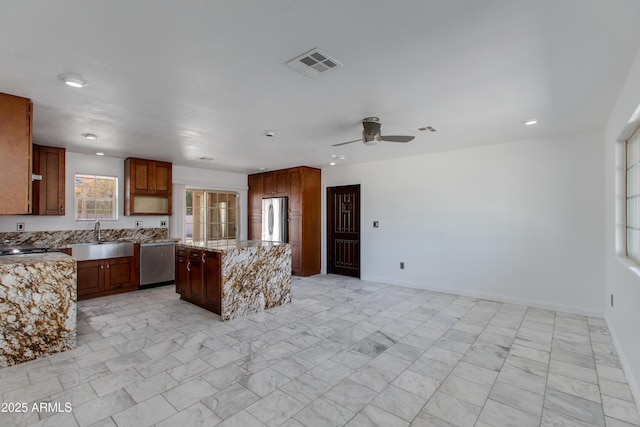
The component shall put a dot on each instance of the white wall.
(622, 277)
(100, 165)
(518, 222)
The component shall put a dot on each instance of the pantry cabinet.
(15, 162)
(302, 187)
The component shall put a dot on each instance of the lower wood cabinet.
(198, 277)
(106, 277)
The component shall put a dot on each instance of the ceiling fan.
(371, 134)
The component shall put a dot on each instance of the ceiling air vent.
(429, 128)
(313, 63)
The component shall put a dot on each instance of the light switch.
(376, 224)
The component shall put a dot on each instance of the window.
(633, 196)
(211, 215)
(96, 197)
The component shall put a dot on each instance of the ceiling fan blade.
(397, 138)
(345, 143)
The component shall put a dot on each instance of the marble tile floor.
(344, 352)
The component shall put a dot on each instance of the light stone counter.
(37, 306)
(255, 275)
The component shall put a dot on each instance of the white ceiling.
(179, 80)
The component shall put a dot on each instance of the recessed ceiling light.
(90, 135)
(270, 133)
(262, 169)
(99, 154)
(531, 122)
(206, 159)
(332, 164)
(73, 81)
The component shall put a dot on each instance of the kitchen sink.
(100, 250)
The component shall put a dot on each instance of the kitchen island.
(37, 306)
(234, 278)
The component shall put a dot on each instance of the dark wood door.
(343, 230)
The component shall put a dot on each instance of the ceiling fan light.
(371, 142)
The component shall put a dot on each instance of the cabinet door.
(281, 178)
(182, 276)
(90, 277)
(212, 279)
(161, 183)
(15, 161)
(295, 192)
(140, 175)
(49, 192)
(275, 183)
(196, 276)
(118, 273)
(268, 184)
(255, 207)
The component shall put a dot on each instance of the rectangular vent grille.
(313, 62)
(429, 128)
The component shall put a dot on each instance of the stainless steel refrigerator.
(275, 227)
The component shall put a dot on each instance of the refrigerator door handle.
(271, 220)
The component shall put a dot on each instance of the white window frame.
(189, 227)
(632, 196)
(113, 199)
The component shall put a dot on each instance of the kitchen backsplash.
(59, 239)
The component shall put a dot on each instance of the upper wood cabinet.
(275, 184)
(15, 161)
(147, 187)
(302, 186)
(49, 191)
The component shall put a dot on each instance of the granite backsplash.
(63, 238)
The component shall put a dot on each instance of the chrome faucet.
(96, 231)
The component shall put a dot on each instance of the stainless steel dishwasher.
(157, 262)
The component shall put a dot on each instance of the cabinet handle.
(101, 267)
(61, 209)
(188, 266)
(203, 257)
(107, 265)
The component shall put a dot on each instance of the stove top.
(20, 250)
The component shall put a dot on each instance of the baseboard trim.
(628, 373)
(544, 305)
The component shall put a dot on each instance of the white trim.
(494, 297)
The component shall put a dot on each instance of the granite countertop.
(30, 258)
(226, 245)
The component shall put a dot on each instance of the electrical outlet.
(138, 224)
(401, 265)
(20, 226)
(163, 223)
(376, 224)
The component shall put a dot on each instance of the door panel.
(343, 230)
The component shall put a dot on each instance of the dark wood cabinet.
(305, 220)
(255, 207)
(303, 188)
(49, 191)
(275, 184)
(106, 277)
(148, 186)
(198, 277)
(15, 161)
(212, 281)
